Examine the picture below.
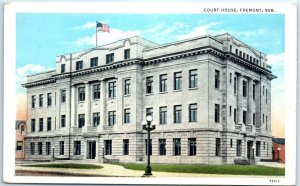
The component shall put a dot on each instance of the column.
(258, 105)
(239, 99)
(73, 106)
(103, 112)
(250, 101)
(87, 105)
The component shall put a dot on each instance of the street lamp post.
(148, 128)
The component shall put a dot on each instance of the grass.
(67, 166)
(210, 169)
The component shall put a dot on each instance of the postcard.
(150, 93)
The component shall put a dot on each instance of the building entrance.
(250, 150)
(91, 149)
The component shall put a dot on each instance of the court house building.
(209, 96)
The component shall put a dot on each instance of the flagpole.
(96, 35)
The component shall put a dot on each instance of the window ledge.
(177, 90)
(111, 98)
(127, 95)
(193, 88)
(163, 92)
(149, 94)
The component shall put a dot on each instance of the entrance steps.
(244, 161)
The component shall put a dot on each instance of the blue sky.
(42, 37)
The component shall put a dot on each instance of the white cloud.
(104, 37)
(85, 26)
(199, 31)
(276, 59)
(22, 72)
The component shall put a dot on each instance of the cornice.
(156, 59)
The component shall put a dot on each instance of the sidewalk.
(119, 171)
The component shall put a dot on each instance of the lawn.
(210, 169)
(67, 166)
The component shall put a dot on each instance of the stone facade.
(210, 98)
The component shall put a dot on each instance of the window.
(254, 91)
(177, 80)
(177, 146)
(63, 121)
(81, 93)
(32, 149)
(162, 147)
(49, 99)
(244, 88)
(240, 54)
(230, 48)
(81, 120)
(163, 115)
(266, 95)
(23, 129)
(126, 53)
(247, 57)
(61, 148)
(63, 96)
(250, 58)
(234, 86)
(149, 85)
(79, 65)
(234, 115)
(111, 118)
(108, 147)
(218, 146)
(77, 147)
(266, 122)
(177, 113)
(112, 89)
(263, 90)
(150, 147)
(96, 91)
(19, 146)
(126, 115)
(41, 124)
(230, 143)
(243, 55)
(62, 68)
(125, 146)
(94, 61)
(109, 58)
(217, 79)
(163, 83)
(149, 111)
(244, 117)
(49, 123)
(40, 148)
(217, 113)
(230, 78)
(193, 112)
(41, 100)
(192, 147)
(48, 148)
(32, 125)
(238, 147)
(96, 119)
(263, 118)
(236, 51)
(33, 99)
(254, 119)
(264, 145)
(193, 78)
(127, 87)
(229, 110)
(258, 148)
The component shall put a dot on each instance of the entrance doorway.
(250, 150)
(91, 149)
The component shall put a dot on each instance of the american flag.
(102, 27)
